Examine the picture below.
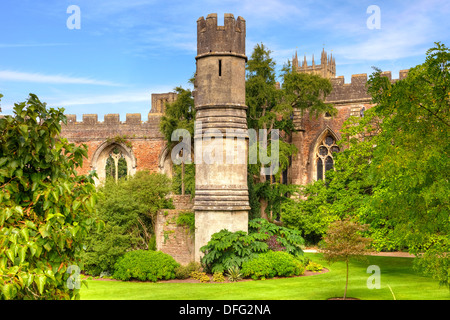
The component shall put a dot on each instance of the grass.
(397, 279)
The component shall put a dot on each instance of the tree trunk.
(346, 281)
(263, 205)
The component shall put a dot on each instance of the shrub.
(234, 274)
(271, 264)
(201, 276)
(145, 265)
(313, 266)
(218, 277)
(278, 238)
(184, 272)
(128, 208)
(227, 249)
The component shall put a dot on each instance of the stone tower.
(326, 68)
(221, 137)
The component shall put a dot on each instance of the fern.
(228, 249)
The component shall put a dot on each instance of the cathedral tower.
(221, 137)
(326, 68)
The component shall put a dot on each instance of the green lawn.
(397, 273)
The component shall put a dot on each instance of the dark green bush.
(145, 265)
(228, 249)
(278, 238)
(128, 208)
(272, 264)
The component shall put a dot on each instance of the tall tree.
(393, 173)
(270, 108)
(411, 166)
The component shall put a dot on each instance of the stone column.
(221, 136)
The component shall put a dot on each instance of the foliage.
(314, 266)
(234, 274)
(347, 189)
(218, 277)
(184, 271)
(271, 264)
(343, 242)
(227, 249)
(145, 265)
(271, 108)
(392, 171)
(436, 263)
(46, 208)
(180, 115)
(189, 179)
(309, 212)
(278, 237)
(129, 209)
(187, 219)
(411, 161)
(121, 140)
(201, 276)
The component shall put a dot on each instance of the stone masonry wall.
(171, 238)
(144, 138)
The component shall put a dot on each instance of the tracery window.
(324, 156)
(116, 165)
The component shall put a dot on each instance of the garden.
(61, 237)
(399, 281)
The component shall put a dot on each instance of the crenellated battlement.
(356, 90)
(112, 119)
(90, 128)
(229, 38)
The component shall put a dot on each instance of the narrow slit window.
(220, 68)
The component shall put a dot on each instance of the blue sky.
(125, 50)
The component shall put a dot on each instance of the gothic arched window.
(324, 155)
(116, 161)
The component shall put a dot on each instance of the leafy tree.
(180, 115)
(129, 209)
(343, 242)
(393, 171)
(270, 108)
(411, 161)
(346, 190)
(46, 207)
(311, 215)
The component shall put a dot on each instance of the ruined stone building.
(142, 145)
(221, 192)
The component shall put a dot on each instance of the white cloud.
(9, 75)
(105, 98)
(405, 32)
(25, 45)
